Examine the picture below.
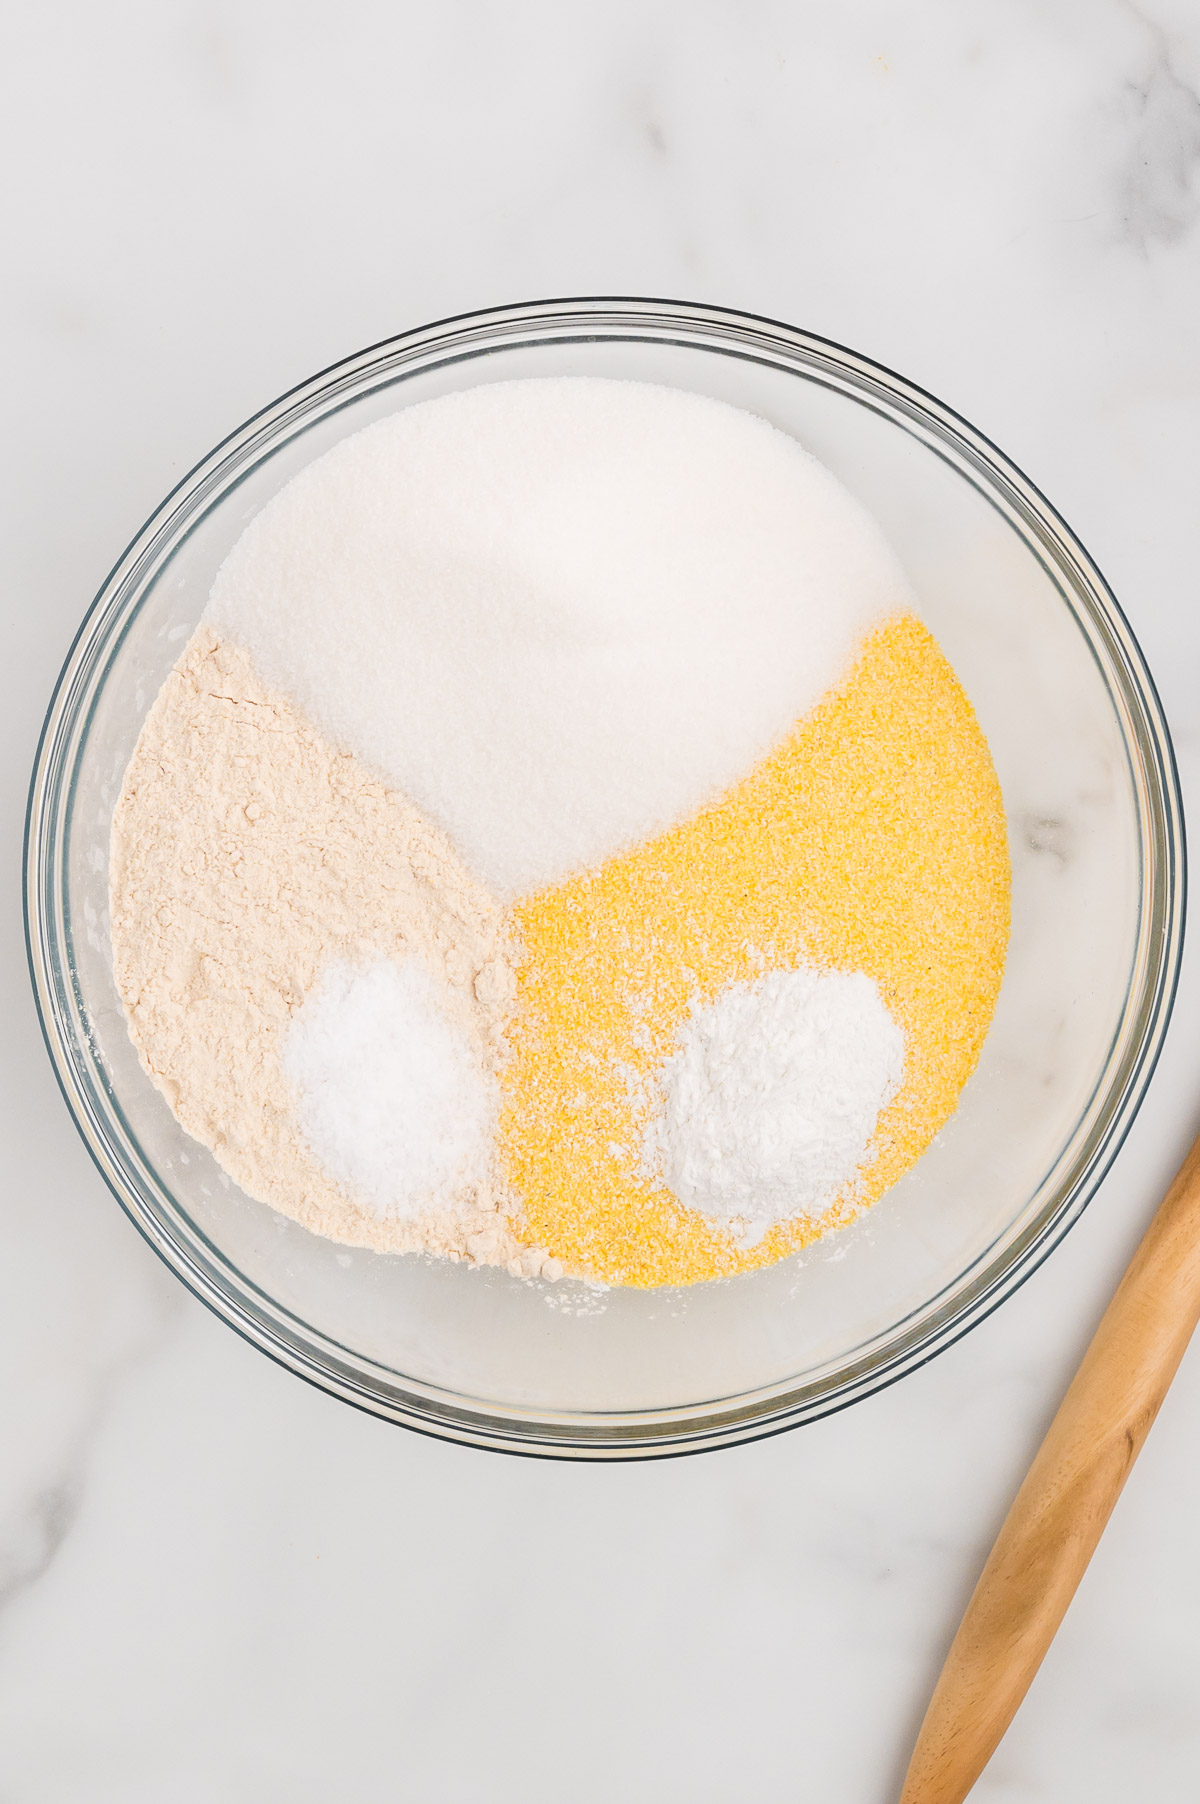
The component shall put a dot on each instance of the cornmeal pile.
(872, 840)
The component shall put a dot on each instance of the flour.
(767, 1106)
(559, 615)
(250, 860)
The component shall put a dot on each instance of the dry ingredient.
(872, 840)
(561, 846)
(560, 615)
(391, 1094)
(249, 858)
(766, 1107)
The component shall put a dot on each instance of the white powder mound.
(391, 1095)
(558, 615)
(770, 1100)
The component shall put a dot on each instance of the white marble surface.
(216, 1583)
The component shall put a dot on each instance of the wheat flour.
(248, 855)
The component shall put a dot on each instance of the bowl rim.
(662, 1433)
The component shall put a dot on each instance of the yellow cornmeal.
(872, 839)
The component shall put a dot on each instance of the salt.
(767, 1106)
(558, 615)
(390, 1093)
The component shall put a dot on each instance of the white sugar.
(558, 615)
(391, 1095)
(769, 1102)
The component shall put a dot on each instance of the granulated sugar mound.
(559, 616)
(391, 1094)
(769, 1102)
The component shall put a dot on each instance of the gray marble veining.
(1158, 187)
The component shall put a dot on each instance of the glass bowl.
(1094, 816)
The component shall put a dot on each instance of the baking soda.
(767, 1106)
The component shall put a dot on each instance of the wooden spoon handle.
(1061, 1509)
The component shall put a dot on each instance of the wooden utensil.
(1061, 1509)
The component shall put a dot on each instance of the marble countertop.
(217, 1583)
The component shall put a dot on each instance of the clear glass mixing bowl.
(1094, 816)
